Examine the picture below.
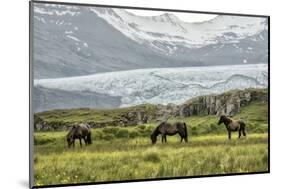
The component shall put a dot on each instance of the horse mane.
(71, 131)
(229, 119)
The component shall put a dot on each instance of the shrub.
(98, 134)
(110, 130)
(108, 137)
(148, 130)
(122, 133)
(194, 131)
(214, 126)
(134, 134)
(142, 127)
(42, 140)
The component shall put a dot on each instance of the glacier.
(163, 85)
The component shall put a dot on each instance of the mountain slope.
(170, 29)
(82, 43)
(76, 40)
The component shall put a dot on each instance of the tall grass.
(137, 159)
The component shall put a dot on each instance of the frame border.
(31, 128)
(31, 117)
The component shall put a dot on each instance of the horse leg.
(73, 143)
(244, 132)
(239, 133)
(162, 138)
(165, 137)
(185, 139)
(80, 142)
(85, 141)
(181, 135)
(229, 135)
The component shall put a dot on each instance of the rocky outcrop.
(130, 118)
(227, 103)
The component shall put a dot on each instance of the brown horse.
(169, 129)
(80, 131)
(232, 125)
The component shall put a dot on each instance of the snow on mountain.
(170, 29)
(162, 86)
(77, 40)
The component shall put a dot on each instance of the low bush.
(108, 137)
(122, 133)
(134, 134)
(111, 130)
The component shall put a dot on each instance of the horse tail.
(89, 138)
(185, 130)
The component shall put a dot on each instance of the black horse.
(232, 125)
(80, 131)
(170, 129)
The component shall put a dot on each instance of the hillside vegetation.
(229, 103)
(125, 153)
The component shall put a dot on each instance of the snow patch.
(74, 38)
(68, 32)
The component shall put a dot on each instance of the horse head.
(222, 119)
(70, 140)
(153, 138)
(70, 135)
(155, 133)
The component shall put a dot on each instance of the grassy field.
(126, 153)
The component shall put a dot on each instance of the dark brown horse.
(170, 129)
(232, 125)
(80, 131)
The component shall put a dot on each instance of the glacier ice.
(164, 85)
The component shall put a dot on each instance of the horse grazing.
(170, 129)
(80, 131)
(232, 125)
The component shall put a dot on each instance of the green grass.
(124, 159)
(124, 153)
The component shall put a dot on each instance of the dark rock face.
(136, 117)
(228, 103)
